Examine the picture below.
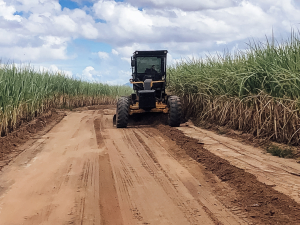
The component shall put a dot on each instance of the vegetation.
(271, 67)
(25, 93)
(280, 152)
(256, 90)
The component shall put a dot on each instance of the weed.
(222, 131)
(280, 152)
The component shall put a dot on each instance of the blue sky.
(94, 39)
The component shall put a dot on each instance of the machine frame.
(140, 84)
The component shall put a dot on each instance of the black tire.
(122, 114)
(174, 111)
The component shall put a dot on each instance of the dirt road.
(85, 171)
(282, 174)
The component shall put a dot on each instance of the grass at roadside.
(280, 152)
(270, 67)
(25, 93)
(256, 90)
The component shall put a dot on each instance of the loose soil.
(261, 202)
(83, 170)
(11, 144)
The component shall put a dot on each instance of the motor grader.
(149, 84)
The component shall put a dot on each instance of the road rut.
(85, 171)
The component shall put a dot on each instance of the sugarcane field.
(208, 138)
(231, 160)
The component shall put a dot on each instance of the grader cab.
(149, 83)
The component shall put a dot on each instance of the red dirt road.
(282, 174)
(85, 171)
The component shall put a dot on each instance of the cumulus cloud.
(91, 74)
(89, 31)
(103, 55)
(7, 12)
(121, 78)
(64, 22)
(187, 5)
(123, 21)
(33, 54)
(53, 69)
(114, 52)
(40, 30)
(33, 49)
(36, 6)
(184, 31)
(128, 50)
(125, 24)
(7, 38)
(88, 72)
(164, 23)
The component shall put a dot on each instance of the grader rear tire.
(174, 111)
(122, 114)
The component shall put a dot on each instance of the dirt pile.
(9, 144)
(260, 202)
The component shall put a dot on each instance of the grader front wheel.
(122, 114)
(174, 111)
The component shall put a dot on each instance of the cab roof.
(151, 53)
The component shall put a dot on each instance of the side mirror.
(132, 63)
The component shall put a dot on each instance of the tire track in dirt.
(125, 188)
(98, 129)
(261, 202)
(280, 173)
(60, 184)
(26, 136)
(108, 198)
(169, 185)
(161, 150)
(88, 172)
(152, 191)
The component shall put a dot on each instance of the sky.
(93, 40)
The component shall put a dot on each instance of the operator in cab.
(152, 73)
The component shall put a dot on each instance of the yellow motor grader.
(149, 82)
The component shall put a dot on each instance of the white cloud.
(128, 50)
(91, 74)
(123, 19)
(124, 74)
(121, 78)
(44, 31)
(64, 22)
(33, 54)
(103, 55)
(89, 31)
(188, 5)
(160, 24)
(114, 52)
(53, 69)
(127, 59)
(234, 21)
(36, 6)
(54, 41)
(35, 24)
(88, 72)
(6, 37)
(221, 42)
(7, 12)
